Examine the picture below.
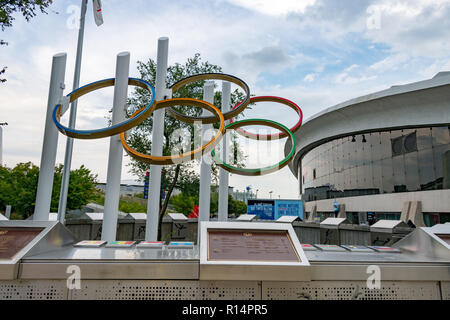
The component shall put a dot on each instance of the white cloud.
(309, 77)
(392, 62)
(270, 7)
(345, 78)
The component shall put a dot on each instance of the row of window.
(380, 162)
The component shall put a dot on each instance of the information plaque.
(270, 251)
(357, 248)
(151, 244)
(308, 247)
(444, 237)
(330, 247)
(385, 249)
(180, 245)
(12, 240)
(90, 244)
(254, 245)
(120, 244)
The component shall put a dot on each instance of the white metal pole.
(112, 194)
(223, 174)
(151, 231)
(1, 146)
(204, 204)
(73, 115)
(50, 144)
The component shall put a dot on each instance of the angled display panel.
(250, 251)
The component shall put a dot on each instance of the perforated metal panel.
(445, 290)
(167, 290)
(33, 290)
(348, 290)
(221, 290)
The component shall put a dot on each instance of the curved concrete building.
(385, 155)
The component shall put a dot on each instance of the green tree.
(81, 188)
(182, 176)
(182, 203)
(28, 8)
(18, 188)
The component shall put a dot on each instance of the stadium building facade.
(385, 155)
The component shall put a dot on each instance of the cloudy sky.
(316, 53)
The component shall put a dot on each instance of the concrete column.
(342, 213)
(50, 144)
(151, 231)
(312, 214)
(223, 174)
(112, 195)
(404, 216)
(416, 214)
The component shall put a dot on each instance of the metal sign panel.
(385, 249)
(330, 247)
(255, 245)
(178, 217)
(333, 222)
(138, 216)
(287, 219)
(355, 248)
(252, 251)
(180, 245)
(151, 244)
(120, 244)
(308, 247)
(387, 225)
(90, 244)
(12, 240)
(246, 217)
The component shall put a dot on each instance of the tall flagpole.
(73, 114)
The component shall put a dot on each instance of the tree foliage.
(182, 203)
(28, 8)
(18, 188)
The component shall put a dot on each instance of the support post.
(112, 195)
(8, 212)
(50, 143)
(223, 174)
(151, 231)
(72, 119)
(1, 146)
(204, 204)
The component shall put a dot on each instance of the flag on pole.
(98, 15)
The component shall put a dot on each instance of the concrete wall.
(307, 232)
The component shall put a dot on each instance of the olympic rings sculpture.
(209, 76)
(265, 170)
(218, 117)
(135, 120)
(275, 136)
(165, 160)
